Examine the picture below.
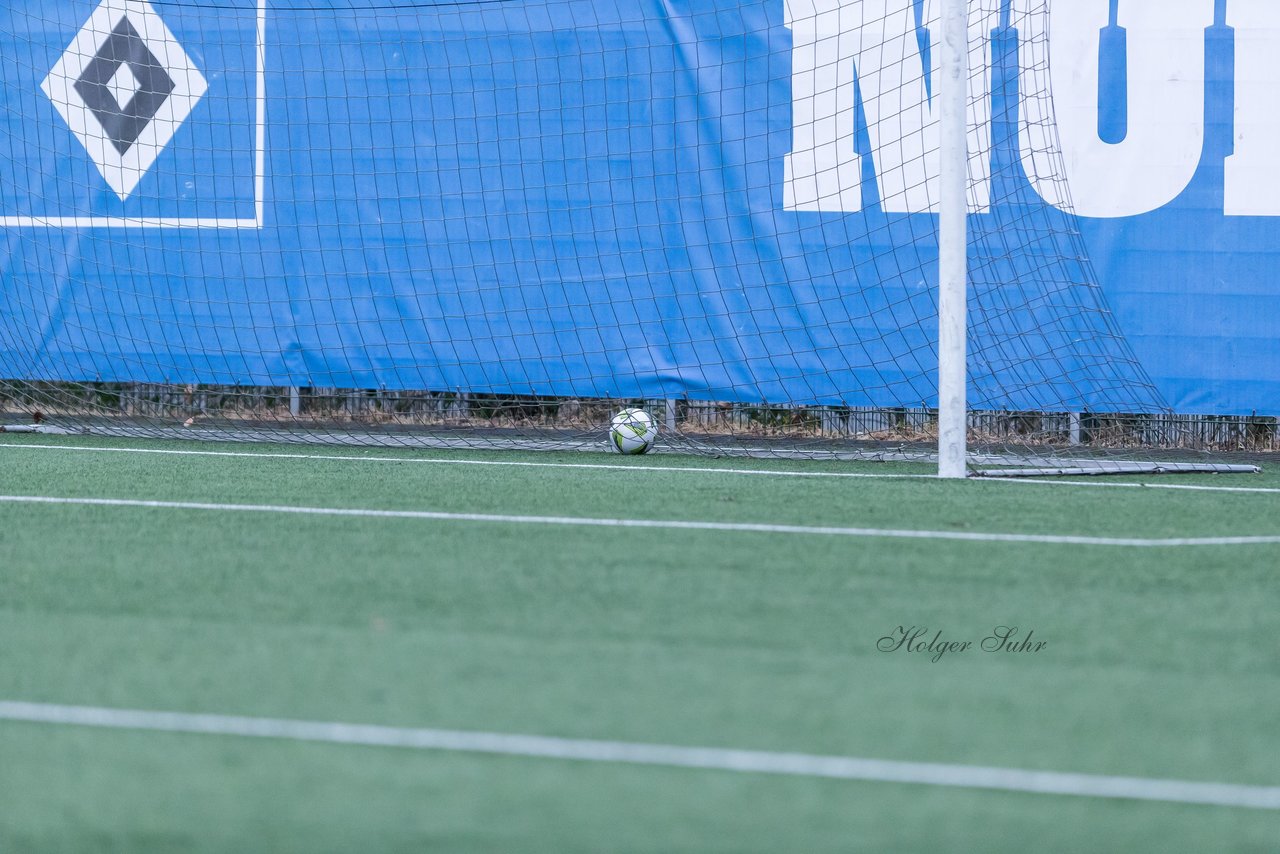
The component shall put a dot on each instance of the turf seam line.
(667, 524)
(663, 755)
(624, 467)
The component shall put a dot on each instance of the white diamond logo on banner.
(124, 87)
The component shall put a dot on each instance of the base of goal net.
(45, 429)
(988, 464)
(1094, 468)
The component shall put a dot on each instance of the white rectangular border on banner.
(259, 174)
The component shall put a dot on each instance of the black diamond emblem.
(124, 123)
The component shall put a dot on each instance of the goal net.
(494, 223)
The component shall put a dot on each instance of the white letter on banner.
(1160, 155)
(841, 46)
(1253, 172)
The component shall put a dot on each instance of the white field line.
(464, 462)
(633, 753)
(622, 467)
(668, 524)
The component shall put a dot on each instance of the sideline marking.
(635, 753)
(674, 524)
(623, 467)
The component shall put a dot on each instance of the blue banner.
(718, 199)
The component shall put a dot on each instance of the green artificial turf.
(1159, 663)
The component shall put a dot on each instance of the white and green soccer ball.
(632, 431)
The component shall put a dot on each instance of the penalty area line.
(661, 755)
(667, 524)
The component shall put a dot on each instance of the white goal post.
(952, 240)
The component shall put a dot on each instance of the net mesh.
(495, 224)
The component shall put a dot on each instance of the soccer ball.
(632, 431)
